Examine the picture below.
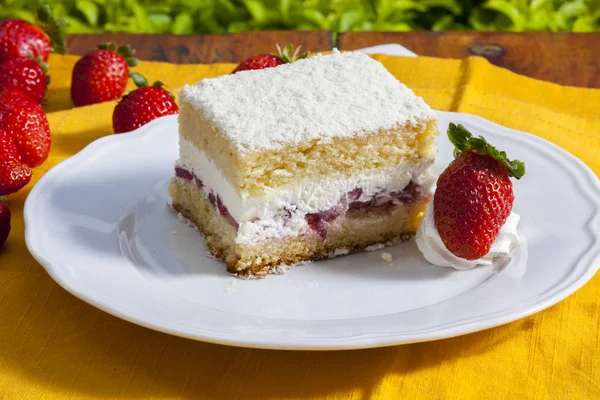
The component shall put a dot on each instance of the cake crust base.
(348, 233)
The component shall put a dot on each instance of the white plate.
(99, 225)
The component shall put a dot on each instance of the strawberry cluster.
(24, 129)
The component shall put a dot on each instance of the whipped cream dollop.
(433, 249)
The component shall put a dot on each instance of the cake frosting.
(431, 245)
(339, 95)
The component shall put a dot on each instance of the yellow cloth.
(53, 345)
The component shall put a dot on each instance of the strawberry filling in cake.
(352, 204)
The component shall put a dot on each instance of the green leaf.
(347, 20)
(537, 5)
(77, 26)
(443, 23)
(586, 24)
(394, 26)
(454, 6)
(183, 24)
(28, 16)
(143, 24)
(573, 9)
(217, 16)
(257, 9)
(509, 10)
(138, 79)
(463, 140)
(316, 18)
(89, 9)
(284, 10)
(540, 21)
(160, 21)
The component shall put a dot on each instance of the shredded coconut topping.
(322, 97)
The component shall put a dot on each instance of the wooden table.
(564, 58)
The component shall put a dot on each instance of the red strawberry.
(13, 96)
(4, 222)
(28, 126)
(102, 74)
(23, 39)
(14, 174)
(142, 105)
(262, 61)
(474, 195)
(26, 75)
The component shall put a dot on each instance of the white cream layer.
(431, 245)
(281, 211)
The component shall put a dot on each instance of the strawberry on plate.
(102, 74)
(26, 74)
(28, 126)
(142, 105)
(20, 38)
(474, 195)
(262, 61)
(14, 174)
(4, 222)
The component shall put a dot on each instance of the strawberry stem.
(463, 140)
(141, 82)
(124, 51)
(288, 54)
(54, 28)
(40, 61)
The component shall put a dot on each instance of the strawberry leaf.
(288, 54)
(463, 140)
(54, 28)
(107, 46)
(159, 84)
(138, 79)
(128, 54)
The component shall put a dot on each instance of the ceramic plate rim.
(584, 176)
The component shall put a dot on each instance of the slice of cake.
(319, 158)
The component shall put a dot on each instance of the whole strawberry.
(262, 61)
(4, 222)
(474, 195)
(28, 126)
(25, 74)
(102, 74)
(23, 39)
(142, 105)
(14, 174)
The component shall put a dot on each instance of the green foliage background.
(216, 16)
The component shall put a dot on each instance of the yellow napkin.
(53, 345)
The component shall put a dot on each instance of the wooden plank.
(189, 49)
(564, 58)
